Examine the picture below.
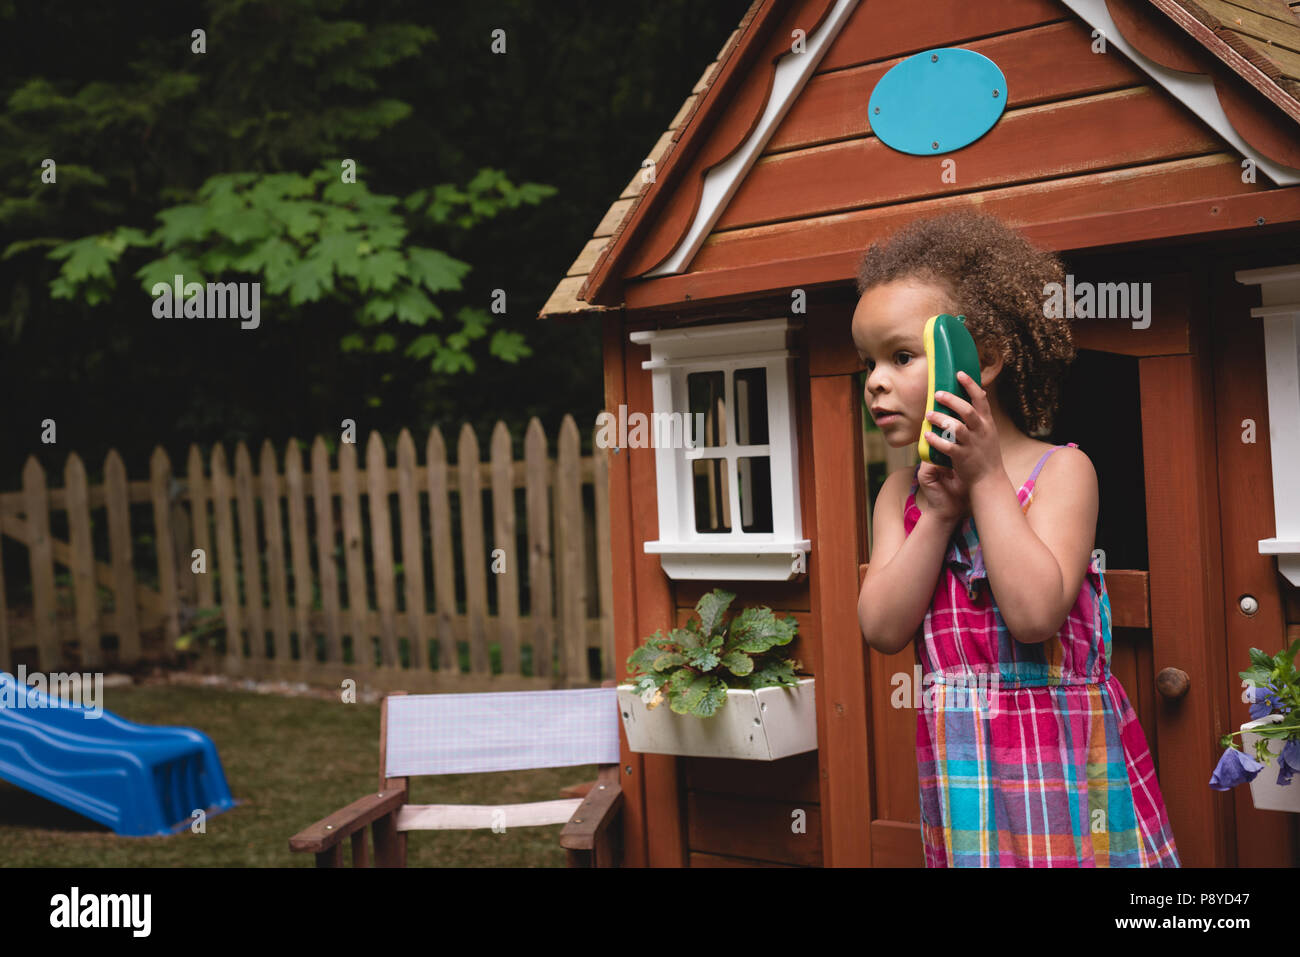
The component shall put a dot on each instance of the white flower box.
(1267, 794)
(761, 725)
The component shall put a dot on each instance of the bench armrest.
(328, 832)
(594, 832)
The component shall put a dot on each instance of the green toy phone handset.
(949, 348)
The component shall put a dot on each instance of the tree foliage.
(220, 158)
(308, 238)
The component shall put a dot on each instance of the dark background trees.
(462, 139)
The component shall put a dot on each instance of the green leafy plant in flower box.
(693, 667)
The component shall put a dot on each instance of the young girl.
(1028, 750)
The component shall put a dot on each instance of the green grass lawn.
(289, 762)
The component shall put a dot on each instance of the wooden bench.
(472, 733)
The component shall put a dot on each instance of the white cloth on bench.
(501, 731)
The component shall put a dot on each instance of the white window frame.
(737, 555)
(1280, 311)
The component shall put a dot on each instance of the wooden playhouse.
(1144, 141)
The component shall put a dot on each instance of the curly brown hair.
(995, 278)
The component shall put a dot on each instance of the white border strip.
(722, 181)
(456, 817)
(1280, 311)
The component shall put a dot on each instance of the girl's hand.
(947, 496)
(976, 453)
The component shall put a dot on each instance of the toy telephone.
(949, 348)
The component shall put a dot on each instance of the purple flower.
(1265, 701)
(1288, 762)
(1235, 767)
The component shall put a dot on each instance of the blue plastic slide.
(137, 779)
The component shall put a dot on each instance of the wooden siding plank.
(119, 548)
(1186, 600)
(444, 584)
(303, 597)
(665, 829)
(84, 591)
(471, 541)
(604, 567)
(793, 596)
(503, 538)
(40, 554)
(200, 530)
(326, 550)
(843, 676)
(226, 561)
(1143, 126)
(570, 550)
(381, 546)
(1098, 209)
(277, 580)
(363, 651)
(698, 859)
(250, 552)
(896, 844)
(537, 501)
(793, 779)
(160, 477)
(891, 28)
(408, 494)
(1041, 64)
(623, 608)
(785, 832)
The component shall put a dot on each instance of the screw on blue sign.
(937, 101)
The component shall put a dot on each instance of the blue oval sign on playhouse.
(937, 101)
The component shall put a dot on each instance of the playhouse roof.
(564, 298)
(1263, 33)
(1247, 50)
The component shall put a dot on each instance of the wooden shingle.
(1264, 32)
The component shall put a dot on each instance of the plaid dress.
(1029, 755)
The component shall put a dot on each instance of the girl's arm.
(903, 571)
(1036, 560)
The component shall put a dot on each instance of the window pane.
(707, 394)
(712, 496)
(751, 406)
(755, 478)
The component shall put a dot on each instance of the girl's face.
(887, 329)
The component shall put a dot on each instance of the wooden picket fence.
(297, 602)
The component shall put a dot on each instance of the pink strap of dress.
(1039, 467)
(964, 557)
(1032, 475)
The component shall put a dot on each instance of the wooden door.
(1245, 482)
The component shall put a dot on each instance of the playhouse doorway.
(1098, 411)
